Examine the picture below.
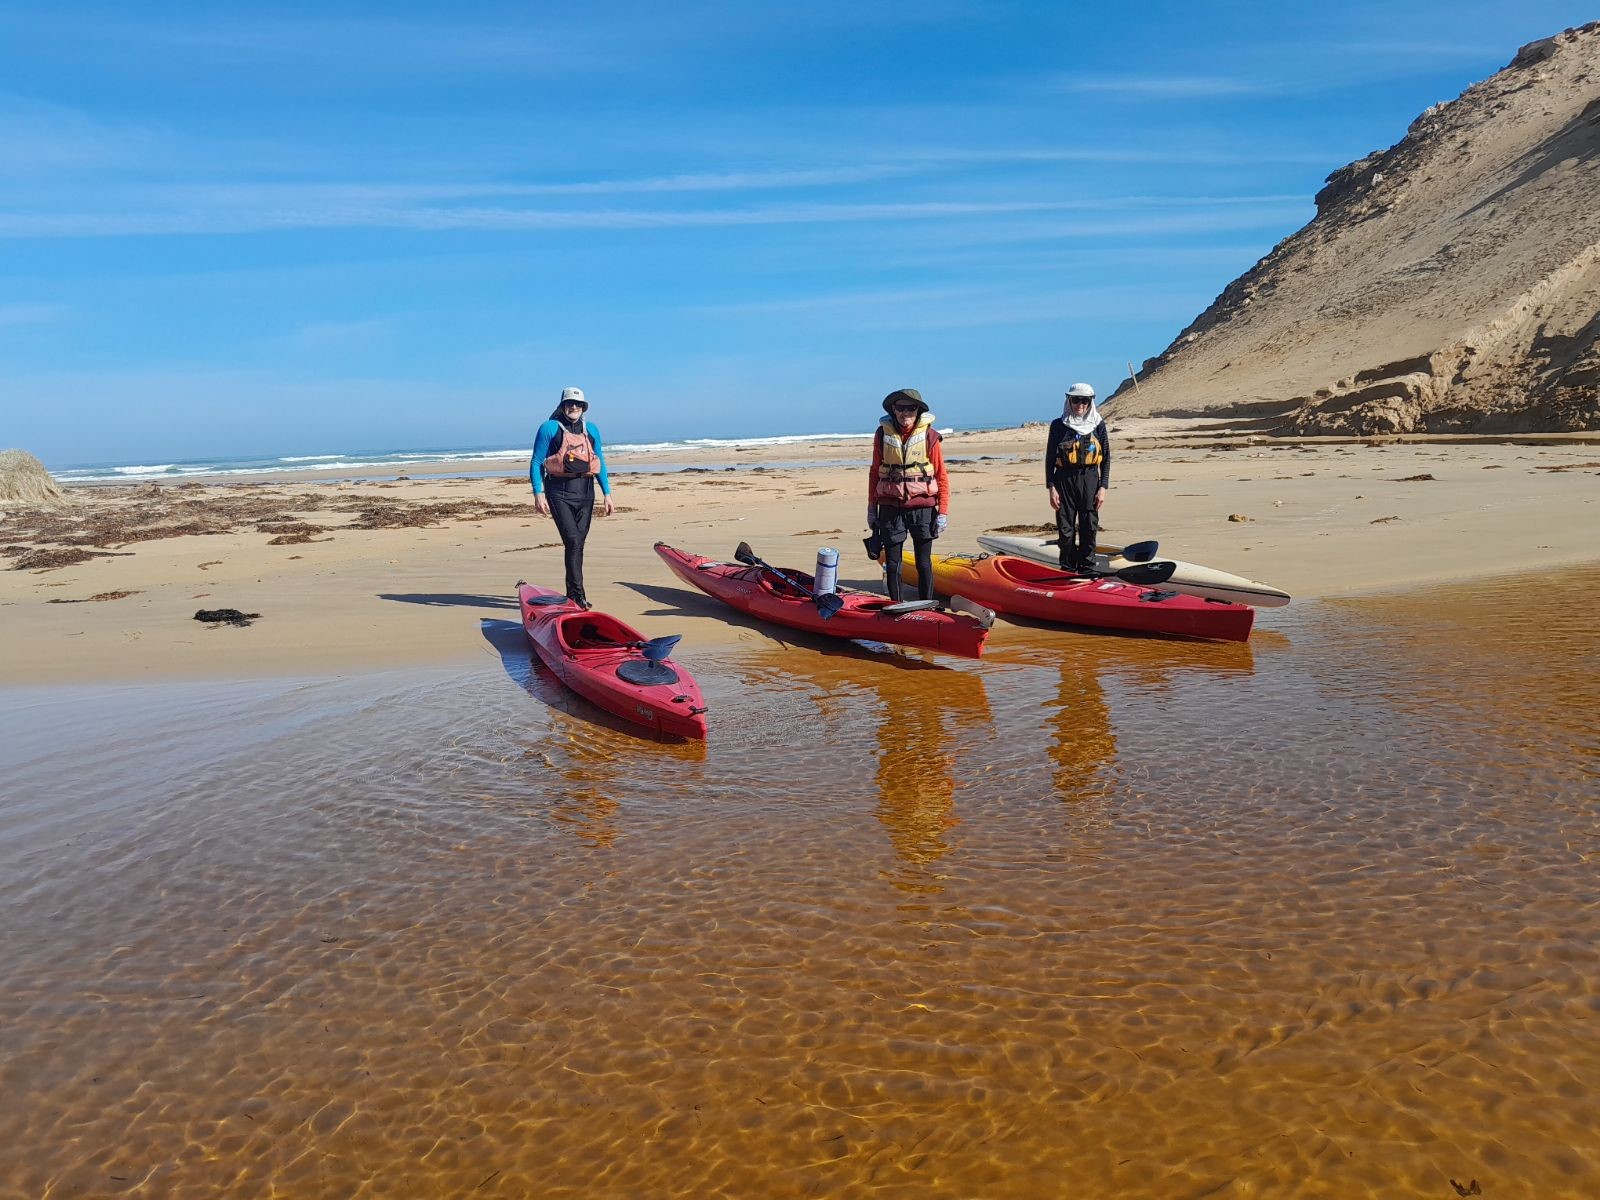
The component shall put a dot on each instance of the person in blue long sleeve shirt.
(568, 458)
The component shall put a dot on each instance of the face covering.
(560, 417)
(1087, 423)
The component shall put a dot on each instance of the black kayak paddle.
(828, 603)
(1147, 574)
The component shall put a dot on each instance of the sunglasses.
(905, 408)
(1079, 402)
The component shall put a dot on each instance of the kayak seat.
(782, 586)
(589, 635)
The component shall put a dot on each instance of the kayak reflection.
(1102, 683)
(585, 756)
(923, 717)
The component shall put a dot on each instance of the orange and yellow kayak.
(1028, 589)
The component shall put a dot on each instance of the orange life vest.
(906, 472)
(573, 458)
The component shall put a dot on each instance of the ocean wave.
(401, 460)
(787, 439)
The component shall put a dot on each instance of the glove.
(940, 523)
(872, 515)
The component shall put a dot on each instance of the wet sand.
(354, 575)
(1102, 916)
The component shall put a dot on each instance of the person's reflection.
(926, 719)
(1083, 746)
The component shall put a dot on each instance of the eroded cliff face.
(1448, 284)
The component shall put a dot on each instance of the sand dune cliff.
(1448, 284)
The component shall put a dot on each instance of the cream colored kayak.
(1189, 578)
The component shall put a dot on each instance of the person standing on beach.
(1077, 472)
(908, 494)
(567, 459)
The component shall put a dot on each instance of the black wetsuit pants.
(894, 526)
(572, 509)
(1077, 520)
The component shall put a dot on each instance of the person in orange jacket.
(908, 494)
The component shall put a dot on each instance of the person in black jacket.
(1077, 472)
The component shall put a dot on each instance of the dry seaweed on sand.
(225, 616)
(48, 560)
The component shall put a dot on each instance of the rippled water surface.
(1098, 916)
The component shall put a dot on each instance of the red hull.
(754, 591)
(585, 650)
(1029, 589)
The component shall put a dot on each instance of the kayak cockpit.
(595, 631)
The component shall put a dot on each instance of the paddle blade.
(1140, 552)
(984, 616)
(1147, 574)
(744, 554)
(659, 648)
(828, 603)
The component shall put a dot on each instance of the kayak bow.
(611, 664)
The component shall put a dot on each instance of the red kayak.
(783, 596)
(1029, 589)
(612, 665)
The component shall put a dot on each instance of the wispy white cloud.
(351, 48)
(12, 315)
(316, 213)
(345, 335)
(962, 307)
(1164, 87)
(39, 138)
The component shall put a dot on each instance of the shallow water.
(1314, 916)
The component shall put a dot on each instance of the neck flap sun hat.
(901, 397)
(1085, 421)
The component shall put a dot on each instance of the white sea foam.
(733, 443)
(396, 461)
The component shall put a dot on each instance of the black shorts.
(896, 524)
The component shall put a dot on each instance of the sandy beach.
(350, 574)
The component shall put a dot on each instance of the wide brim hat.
(911, 394)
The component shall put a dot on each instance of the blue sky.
(302, 228)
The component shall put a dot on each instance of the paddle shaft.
(827, 604)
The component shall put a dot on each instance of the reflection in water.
(1329, 927)
(1083, 748)
(923, 716)
(588, 750)
(923, 725)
